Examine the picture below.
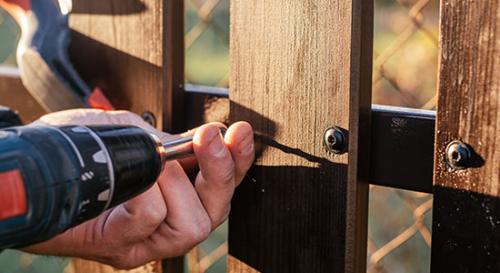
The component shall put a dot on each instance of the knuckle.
(196, 234)
(147, 216)
(154, 216)
(204, 229)
(200, 232)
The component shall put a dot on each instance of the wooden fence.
(299, 68)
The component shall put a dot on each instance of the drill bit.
(180, 147)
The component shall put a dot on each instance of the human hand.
(171, 217)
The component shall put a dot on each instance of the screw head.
(335, 140)
(458, 155)
(149, 118)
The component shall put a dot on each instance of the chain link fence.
(207, 42)
(404, 74)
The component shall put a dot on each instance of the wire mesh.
(404, 74)
(207, 42)
(405, 53)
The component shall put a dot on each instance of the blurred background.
(404, 74)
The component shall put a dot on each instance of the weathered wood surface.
(80, 266)
(134, 51)
(297, 68)
(204, 109)
(466, 224)
(15, 96)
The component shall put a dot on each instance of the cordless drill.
(53, 178)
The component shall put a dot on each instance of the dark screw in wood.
(335, 140)
(149, 118)
(458, 155)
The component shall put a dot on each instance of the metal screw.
(149, 118)
(458, 155)
(335, 140)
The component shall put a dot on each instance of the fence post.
(134, 50)
(19, 98)
(298, 68)
(466, 218)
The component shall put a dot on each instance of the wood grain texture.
(79, 265)
(298, 68)
(466, 224)
(204, 109)
(15, 96)
(134, 51)
(235, 265)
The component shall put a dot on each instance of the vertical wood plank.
(19, 99)
(298, 68)
(466, 218)
(173, 89)
(118, 45)
(173, 62)
(134, 51)
(84, 266)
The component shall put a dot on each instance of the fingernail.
(247, 145)
(215, 145)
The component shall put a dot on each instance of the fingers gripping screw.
(335, 140)
(458, 155)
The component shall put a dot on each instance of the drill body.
(53, 178)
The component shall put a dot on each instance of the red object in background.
(24, 4)
(97, 100)
(12, 195)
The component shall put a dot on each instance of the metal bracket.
(402, 143)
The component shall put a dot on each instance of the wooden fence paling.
(134, 50)
(466, 221)
(297, 68)
(19, 99)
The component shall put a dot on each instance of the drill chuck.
(53, 178)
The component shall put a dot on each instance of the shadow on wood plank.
(461, 219)
(129, 82)
(285, 218)
(286, 222)
(14, 95)
(115, 7)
